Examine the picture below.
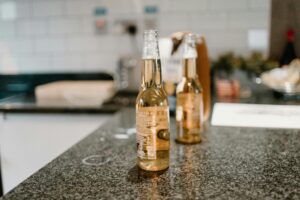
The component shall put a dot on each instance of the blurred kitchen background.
(76, 36)
(88, 36)
(45, 41)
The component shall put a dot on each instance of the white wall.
(59, 35)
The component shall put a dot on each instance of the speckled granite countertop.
(230, 163)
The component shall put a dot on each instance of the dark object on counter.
(286, 97)
(13, 84)
(131, 29)
(283, 15)
(289, 52)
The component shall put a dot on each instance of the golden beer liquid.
(189, 105)
(152, 120)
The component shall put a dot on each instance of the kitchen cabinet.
(29, 141)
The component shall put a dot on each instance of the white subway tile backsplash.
(60, 35)
(100, 62)
(64, 25)
(88, 25)
(8, 62)
(65, 62)
(248, 19)
(124, 45)
(124, 6)
(19, 45)
(24, 8)
(82, 44)
(8, 10)
(215, 52)
(48, 8)
(107, 44)
(228, 5)
(227, 39)
(163, 6)
(32, 27)
(48, 45)
(188, 5)
(173, 22)
(80, 7)
(91, 43)
(259, 4)
(34, 63)
(7, 29)
(208, 21)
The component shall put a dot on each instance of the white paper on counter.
(256, 115)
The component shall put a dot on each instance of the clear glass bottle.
(189, 102)
(152, 111)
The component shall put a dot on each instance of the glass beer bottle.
(152, 111)
(189, 103)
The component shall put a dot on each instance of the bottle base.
(191, 139)
(159, 164)
(152, 169)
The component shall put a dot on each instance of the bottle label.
(152, 135)
(189, 110)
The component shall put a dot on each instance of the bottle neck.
(151, 73)
(189, 57)
(150, 47)
(189, 68)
